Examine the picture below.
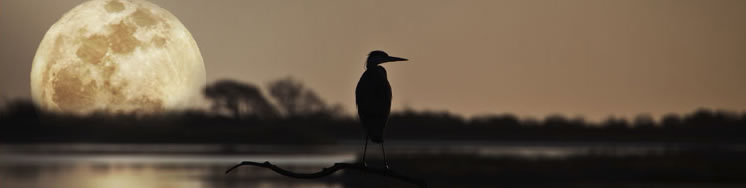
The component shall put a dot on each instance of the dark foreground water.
(198, 166)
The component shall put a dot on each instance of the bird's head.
(378, 57)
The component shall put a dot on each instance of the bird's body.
(373, 98)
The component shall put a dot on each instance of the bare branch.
(330, 170)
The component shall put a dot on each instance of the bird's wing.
(373, 97)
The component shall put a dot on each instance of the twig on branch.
(330, 170)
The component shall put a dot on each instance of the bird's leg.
(365, 149)
(383, 151)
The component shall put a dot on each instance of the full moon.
(117, 56)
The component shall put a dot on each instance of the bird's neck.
(379, 70)
(372, 66)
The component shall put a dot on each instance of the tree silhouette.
(644, 121)
(615, 123)
(238, 98)
(19, 110)
(556, 121)
(504, 120)
(671, 120)
(296, 100)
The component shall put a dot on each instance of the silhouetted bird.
(373, 98)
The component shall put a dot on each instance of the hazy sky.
(590, 58)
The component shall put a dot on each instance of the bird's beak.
(392, 59)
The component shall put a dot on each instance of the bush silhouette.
(302, 117)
